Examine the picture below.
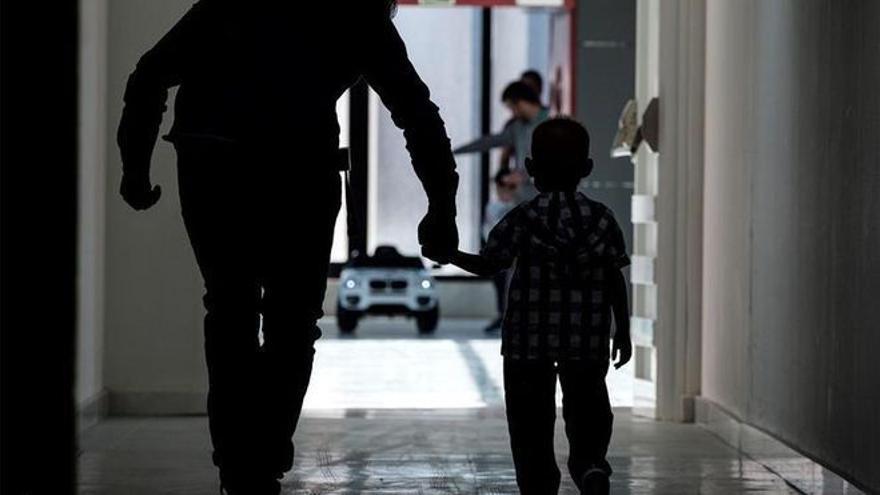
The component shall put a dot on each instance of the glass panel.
(444, 46)
(520, 42)
(339, 254)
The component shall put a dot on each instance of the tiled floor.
(386, 365)
(392, 413)
(410, 452)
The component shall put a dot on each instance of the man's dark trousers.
(261, 225)
(530, 396)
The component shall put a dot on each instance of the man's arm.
(485, 144)
(620, 308)
(388, 70)
(146, 95)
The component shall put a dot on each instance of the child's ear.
(530, 166)
(588, 167)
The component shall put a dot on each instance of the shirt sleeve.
(613, 241)
(146, 93)
(501, 245)
(388, 70)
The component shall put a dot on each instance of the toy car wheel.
(427, 321)
(346, 320)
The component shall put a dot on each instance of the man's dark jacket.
(268, 73)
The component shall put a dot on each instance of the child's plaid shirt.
(563, 247)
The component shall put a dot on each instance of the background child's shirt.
(563, 247)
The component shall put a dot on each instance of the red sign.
(566, 4)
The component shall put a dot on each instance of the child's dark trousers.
(530, 390)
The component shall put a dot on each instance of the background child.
(506, 185)
(567, 252)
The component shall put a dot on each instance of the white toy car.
(387, 283)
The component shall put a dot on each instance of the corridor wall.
(792, 248)
(92, 170)
(153, 359)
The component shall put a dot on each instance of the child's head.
(560, 155)
(505, 184)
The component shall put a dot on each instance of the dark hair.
(535, 77)
(520, 91)
(561, 148)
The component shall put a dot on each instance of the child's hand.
(622, 350)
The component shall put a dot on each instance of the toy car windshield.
(387, 257)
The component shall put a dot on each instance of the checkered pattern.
(563, 248)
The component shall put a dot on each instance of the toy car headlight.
(427, 284)
(351, 283)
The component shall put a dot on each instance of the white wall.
(153, 358)
(677, 267)
(93, 133)
(792, 249)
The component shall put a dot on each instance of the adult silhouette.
(257, 139)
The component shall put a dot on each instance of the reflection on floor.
(386, 366)
(426, 452)
(392, 413)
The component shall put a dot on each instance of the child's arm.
(476, 264)
(620, 308)
(499, 252)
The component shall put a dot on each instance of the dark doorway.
(38, 159)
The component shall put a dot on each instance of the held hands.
(139, 193)
(622, 350)
(438, 236)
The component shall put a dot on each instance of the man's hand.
(139, 193)
(622, 350)
(438, 236)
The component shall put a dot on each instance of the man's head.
(522, 101)
(560, 155)
(534, 80)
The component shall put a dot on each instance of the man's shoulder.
(371, 9)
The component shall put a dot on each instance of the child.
(506, 185)
(567, 252)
